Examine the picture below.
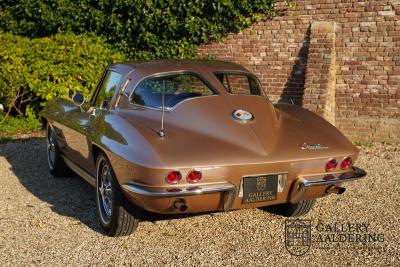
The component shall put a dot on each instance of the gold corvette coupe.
(193, 136)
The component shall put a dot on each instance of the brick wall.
(339, 58)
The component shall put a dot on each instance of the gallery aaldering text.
(347, 233)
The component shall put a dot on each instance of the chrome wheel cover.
(104, 191)
(51, 149)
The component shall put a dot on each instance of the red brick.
(367, 47)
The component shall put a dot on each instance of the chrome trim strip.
(78, 170)
(203, 189)
(230, 199)
(299, 196)
(356, 174)
(226, 188)
(329, 182)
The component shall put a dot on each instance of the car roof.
(194, 65)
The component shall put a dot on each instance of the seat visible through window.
(176, 88)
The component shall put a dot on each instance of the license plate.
(259, 188)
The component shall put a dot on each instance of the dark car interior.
(176, 89)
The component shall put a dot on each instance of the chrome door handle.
(92, 115)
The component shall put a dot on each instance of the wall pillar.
(320, 84)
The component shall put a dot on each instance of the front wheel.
(291, 210)
(55, 162)
(117, 216)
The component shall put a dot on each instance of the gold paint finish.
(200, 134)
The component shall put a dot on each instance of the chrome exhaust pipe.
(335, 189)
(180, 204)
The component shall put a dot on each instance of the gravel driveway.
(53, 222)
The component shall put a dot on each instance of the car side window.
(239, 84)
(107, 88)
(177, 87)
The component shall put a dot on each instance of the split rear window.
(177, 87)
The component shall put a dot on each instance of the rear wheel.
(291, 210)
(117, 216)
(55, 162)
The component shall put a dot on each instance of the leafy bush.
(57, 63)
(13, 125)
(143, 29)
(34, 71)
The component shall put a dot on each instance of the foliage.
(143, 29)
(361, 143)
(12, 125)
(60, 53)
(34, 71)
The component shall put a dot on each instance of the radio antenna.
(161, 132)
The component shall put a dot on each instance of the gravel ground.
(53, 222)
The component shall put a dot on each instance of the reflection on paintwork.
(200, 134)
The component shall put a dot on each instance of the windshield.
(238, 83)
(178, 87)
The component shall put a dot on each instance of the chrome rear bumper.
(229, 191)
(159, 192)
(305, 182)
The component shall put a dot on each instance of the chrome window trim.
(95, 92)
(98, 86)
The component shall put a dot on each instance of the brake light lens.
(346, 163)
(331, 165)
(194, 176)
(173, 177)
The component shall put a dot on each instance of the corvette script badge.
(313, 146)
(242, 115)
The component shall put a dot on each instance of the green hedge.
(143, 29)
(14, 126)
(60, 53)
(34, 71)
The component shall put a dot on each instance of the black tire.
(117, 216)
(55, 162)
(291, 210)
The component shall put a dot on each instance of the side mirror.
(104, 104)
(78, 99)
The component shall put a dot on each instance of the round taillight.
(331, 165)
(346, 163)
(194, 176)
(173, 177)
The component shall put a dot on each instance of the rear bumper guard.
(306, 182)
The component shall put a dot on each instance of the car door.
(78, 121)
